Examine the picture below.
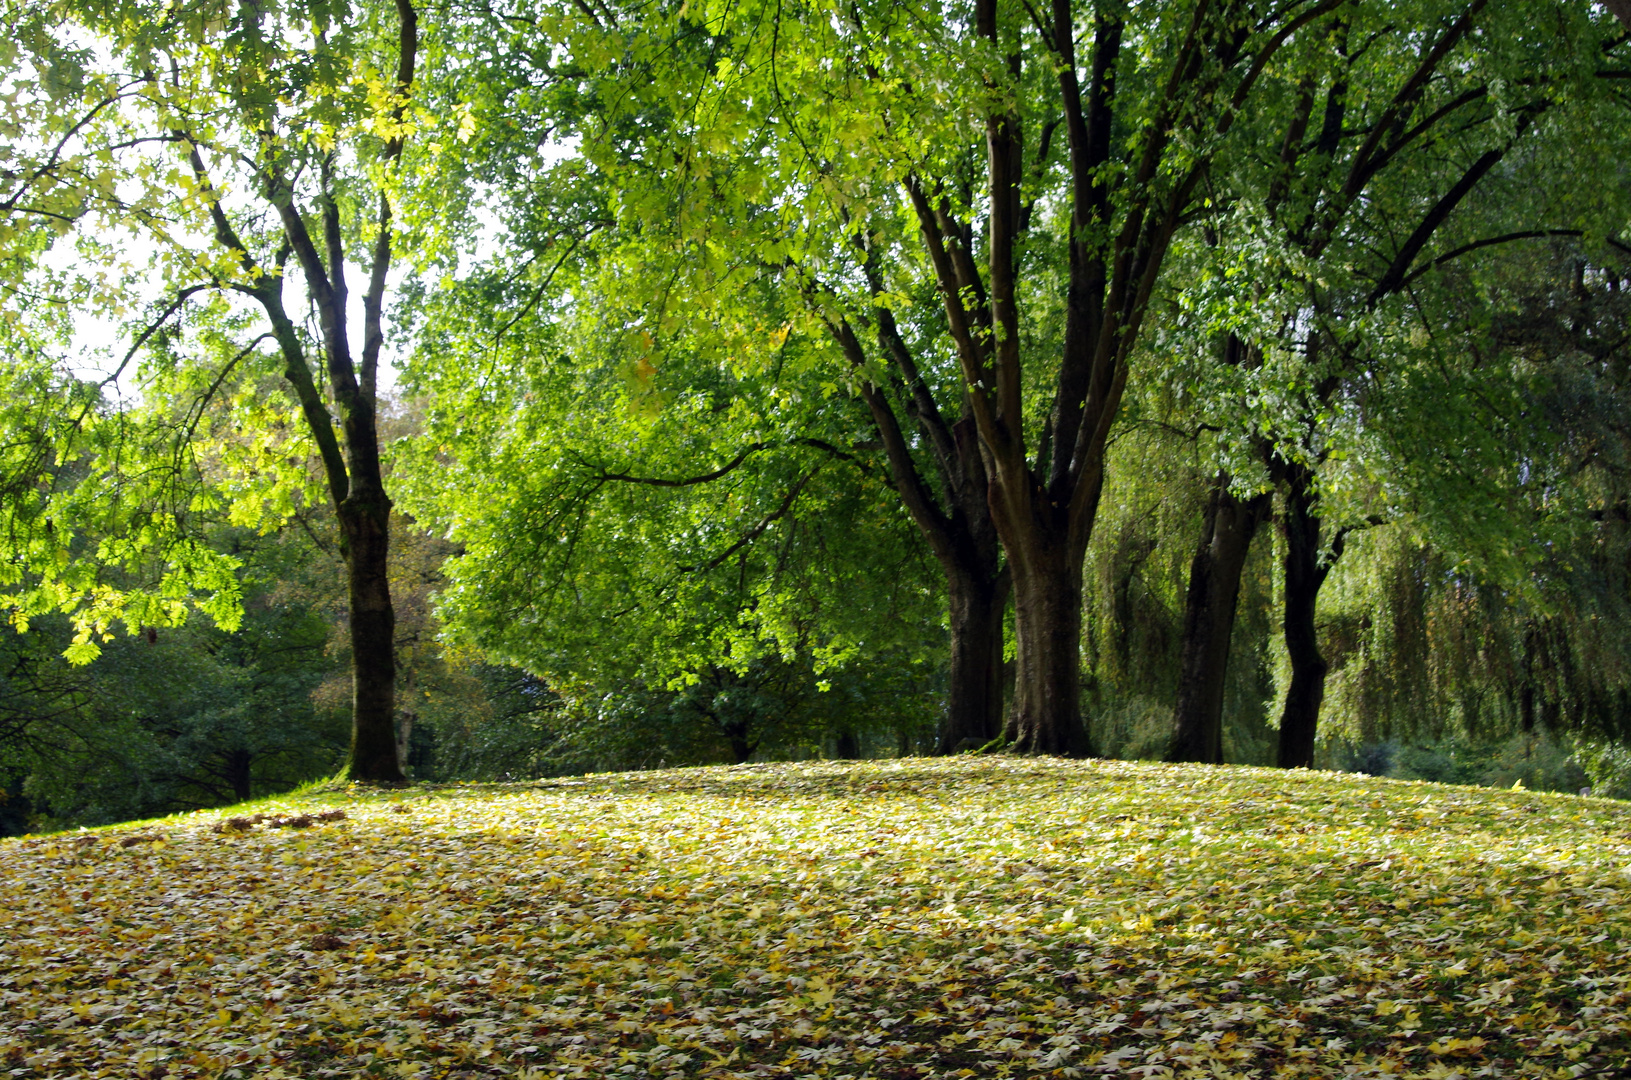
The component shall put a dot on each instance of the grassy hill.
(976, 917)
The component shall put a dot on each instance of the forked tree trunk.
(1209, 617)
(955, 519)
(1304, 575)
(364, 528)
(1047, 713)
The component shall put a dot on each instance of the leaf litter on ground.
(891, 920)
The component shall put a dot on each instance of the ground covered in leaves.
(899, 920)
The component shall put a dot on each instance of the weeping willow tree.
(1153, 517)
(1487, 618)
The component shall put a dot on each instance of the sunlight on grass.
(901, 919)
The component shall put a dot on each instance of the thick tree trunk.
(974, 682)
(365, 529)
(1304, 574)
(848, 747)
(1209, 617)
(1047, 713)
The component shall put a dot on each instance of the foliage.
(1608, 766)
(1537, 761)
(179, 717)
(715, 303)
(970, 917)
(689, 551)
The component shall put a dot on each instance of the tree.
(1228, 525)
(1384, 163)
(282, 129)
(974, 157)
(614, 84)
(689, 581)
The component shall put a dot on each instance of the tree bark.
(1047, 713)
(1304, 575)
(1209, 616)
(364, 528)
(976, 604)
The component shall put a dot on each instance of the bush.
(1539, 760)
(1608, 767)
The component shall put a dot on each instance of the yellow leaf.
(820, 993)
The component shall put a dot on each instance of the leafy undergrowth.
(904, 919)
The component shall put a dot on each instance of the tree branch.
(1490, 241)
(690, 481)
(1393, 278)
(975, 371)
(1363, 166)
(758, 530)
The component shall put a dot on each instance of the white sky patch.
(101, 342)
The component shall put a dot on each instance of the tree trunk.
(848, 746)
(344, 427)
(1209, 617)
(956, 523)
(238, 774)
(1047, 713)
(1304, 574)
(364, 526)
(404, 735)
(974, 682)
(736, 735)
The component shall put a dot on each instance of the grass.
(899, 920)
